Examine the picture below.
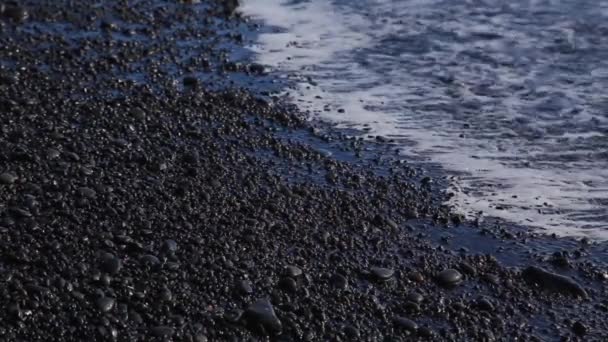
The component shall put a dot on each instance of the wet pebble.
(579, 328)
(288, 284)
(553, 282)
(87, 192)
(244, 287)
(190, 81)
(415, 297)
(292, 271)
(381, 273)
(449, 277)
(406, 324)
(351, 332)
(339, 281)
(150, 260)
(7, 178)
(15, 12)
(110, 263)
(169, 246)
(104, 304)
(262, 313)
(485, 304)
(161, 331)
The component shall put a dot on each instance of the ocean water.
(509, 97)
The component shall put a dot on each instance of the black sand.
(139, 202)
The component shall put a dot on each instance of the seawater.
(510, 97)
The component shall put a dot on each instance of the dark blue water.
(508, 96)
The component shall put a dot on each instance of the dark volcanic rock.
(406, 324)
(110, 264)
(381, 273)
(7, 178)
(553, 282)
(262, 313)
(449, 277)
(15, 12)
(137, 205)
(579, 328)
(244, 287)
(415, 297)
(292, 271)
(339, 281)
(105, 304)
(161, 331)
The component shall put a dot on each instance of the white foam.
(330, 42)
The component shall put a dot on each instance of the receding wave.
(510, 97)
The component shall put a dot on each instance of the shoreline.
(160, 209)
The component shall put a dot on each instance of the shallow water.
(507, 95)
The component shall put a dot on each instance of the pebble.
(244, 287)
(579, 328)
(381, 273)
(406, 324)
(352, 332)
(150, 259)
(15, 12)
(87, 192)
(262, 313)
(415, 297)
(105, 304)
(339, 281)
(449, 277)
(7, 178)
(190, 81)
(110, 264)
(288, 284)
(416, 276)
(169, 246)
(162, 331)
(485, 304)
(553, 282)
(292, 271)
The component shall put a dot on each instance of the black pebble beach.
(147, 193)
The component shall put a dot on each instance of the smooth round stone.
(416, 276)
(491, 278)
(53, 153)
(449, 277)
(382, 273)
(485, 304)
(352, 332)
(292, 271)
(7, 178)
(105, 304)
(149, 259)
(262, 312)
(288, 284)
(467, 268)
(110, 264)
(244, 287)
(406, 324)
(166, 295)
(339, 281)
(579, 328)
(415, 297)
(169, 246)
(87, 192)
(16, 13)
(411, 307)
(162, 331)
(190, 81)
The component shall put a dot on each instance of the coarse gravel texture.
(145, 195)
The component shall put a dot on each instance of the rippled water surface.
(510, 96)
